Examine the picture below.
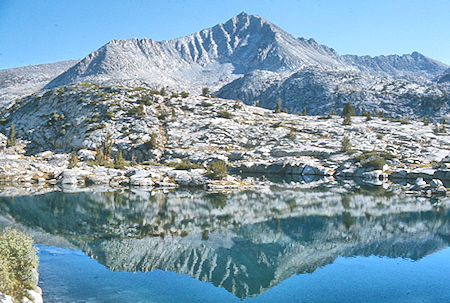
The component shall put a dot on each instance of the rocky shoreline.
(47, 170)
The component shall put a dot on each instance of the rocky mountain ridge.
(250, 50)
(22, 81)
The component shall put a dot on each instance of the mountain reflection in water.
(245, 242)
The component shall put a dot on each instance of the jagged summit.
(410, 65)
(212, 57)
(250, 58)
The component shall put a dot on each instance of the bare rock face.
(19, 82)
(250, 58)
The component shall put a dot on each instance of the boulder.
(442, 174)
(74, 176)
(140, 177)
(436, 183)
(86, 155)
(423, 172)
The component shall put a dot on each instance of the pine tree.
(345, 144)
(11, 141)
(107, 144)
(347, 120)
(73, 160)
(278, 106)
(348, 110)
(205, 92)
(119, 162)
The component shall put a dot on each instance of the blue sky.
(42, 31)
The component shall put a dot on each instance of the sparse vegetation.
(291, 135)
(224, 114)
(375, 162)
(152, 143)
(368, 116)
(374, 159)
(346, 144)
(206, 104)
(205, 92)
(137, 110)
(17, 261)
(119, 162)
(237, 104)
(347, 120)
(109, 114)
(11, 141)
(348, 110)
(217, 169)
(278, 106)
(184, 165)
(73, 160)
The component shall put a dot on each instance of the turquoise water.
(71, 276)
(273, 246)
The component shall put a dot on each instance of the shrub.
(99, 157)
(119, 162)
(325, 117)
(278, 106)
(291, 135)
(109, 114)
(184, 165)
(382, 154)
(11, 141)
(237, 104)
(375, 162)
(17, 261)
(224, 114)
(206, 104)
(345, 144)
(347, 120)
(73, 160)
(163, 92)
(217, 169)
(184, 94)
(174, 95)
(106, 145)
(152, 143)
(205, 92)
(348, 110)
(137, 110)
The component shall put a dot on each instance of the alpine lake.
(276, 244)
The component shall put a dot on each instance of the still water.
(268, 246)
